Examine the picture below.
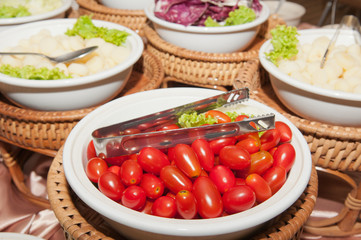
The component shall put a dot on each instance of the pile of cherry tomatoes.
(201, 180)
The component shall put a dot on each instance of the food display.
(204, 179)
(23, 8)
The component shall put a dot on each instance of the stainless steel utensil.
(131, 136)
(59, 59)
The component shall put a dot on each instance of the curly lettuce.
(13, 12)
(30, 72)
(241, 15)
(284, 41)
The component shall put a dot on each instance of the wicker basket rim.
(96, 7)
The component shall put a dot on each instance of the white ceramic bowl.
(126, 4)
(312, 102)
(208, 39)
(6, 23)
(73, 93)
(290, 12)
(136, 225)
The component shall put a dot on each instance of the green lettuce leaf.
(13, 12)
(30, 72)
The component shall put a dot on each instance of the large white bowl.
(208, 39)
(126, 4)
(73, 93)
(6, 23)
(136, 225)
(312, 102)
(290, 12)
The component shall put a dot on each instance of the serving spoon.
(67, 57)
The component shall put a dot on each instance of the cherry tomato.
(218, 144)
(260, 162)
(95, 168)
(152, 185)
(259, 186)
(240, 181)
(186, 204)
(134, 197)
(284, 130)
(111, 186)
(90, 151)
(204, 153)
(187, 161)
(152, 160)
(222, 177)
(235, 157)
(251, 143)
(270, 139)
(168, 127)
(170, 154)
(275, 177)
(240, 117)
(174, 179)
(131, 172)
(131, 131)
(284, 156)
(112, 147)
(147, 206)
(238, 199)
(114, 169)
(220, 116)
(164, 206)
(208, 198)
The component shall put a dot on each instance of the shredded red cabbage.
(195, 12)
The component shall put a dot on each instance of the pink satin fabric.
(18, 214)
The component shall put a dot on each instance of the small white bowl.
(290, 12)
(136, 225)
(208, 39)
(6, 23)
(73, 93)
(126, 4)
(312, 102)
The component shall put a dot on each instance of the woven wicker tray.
(133, 19)
(81, 222)
(212, 70)
(45, 132)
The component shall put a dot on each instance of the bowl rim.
(11, 21)
(273, 69)
(134, 56)
(236, 222)
(263, 16)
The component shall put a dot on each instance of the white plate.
(17, 236)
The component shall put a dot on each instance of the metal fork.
(349, 21)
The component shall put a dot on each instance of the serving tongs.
(131, 136)
(349, 21)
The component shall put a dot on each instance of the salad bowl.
(220, 39)
(137, 225)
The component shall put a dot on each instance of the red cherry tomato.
(186, 204)
(284, 156)
(284, 130)
(131, 172)
(152, 160)
(240, 117)
(187, 161)
(95, 168)
(235, 157)
(222, 177)
(147, 206)
(259, 186)
(90, 151)
(152, 185)
(218, 144)
(270, 139)
(275, 177)
(174, 179)
(251, 143)
(134, 197)
(220, 116)
(260, 162)
(111, 186)
(112, 147)
(208, 198)
(164, 206)
(114, 169)
(204, 153)
(238, 199)
(240, 181)
(168, 127)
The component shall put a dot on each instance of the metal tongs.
(131, 136)
(348, 21)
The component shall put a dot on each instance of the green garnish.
(239, 16)
(284, 41)
(194, 119)
(13, 12)
(30, 72)
(85, 28)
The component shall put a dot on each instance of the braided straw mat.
(81, 222)
(45, 132)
